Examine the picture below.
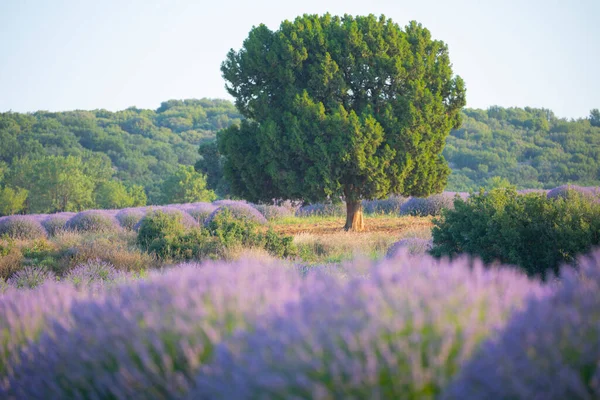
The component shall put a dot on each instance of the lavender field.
(405, 327)
(86, 313)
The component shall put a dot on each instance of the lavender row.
(260, 328)
(147, 339)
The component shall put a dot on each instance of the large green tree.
(340, 107)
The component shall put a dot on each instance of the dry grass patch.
(326, 241)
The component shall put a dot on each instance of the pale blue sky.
(64, 55)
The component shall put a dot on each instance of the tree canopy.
(57, 161)
(340, 107)
(527, 147)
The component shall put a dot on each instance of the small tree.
(186, 186)
(595, 117)
(350, 108)
(12, 200)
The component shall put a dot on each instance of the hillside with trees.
(530, 148)
(68, 161)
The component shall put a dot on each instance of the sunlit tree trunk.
(354, 217)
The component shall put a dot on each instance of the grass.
(323, 240)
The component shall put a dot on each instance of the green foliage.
(12, 200)
(164, 235)
(159, 225)
(139, 147)
(339, 107)
(54, 183)
(531, 148)
(279, 245)
(211, 165)
(595, 117)
(186, 185)
(6, 245)
(531, 231)
(113, 194)
(232, 231)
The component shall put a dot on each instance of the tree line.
(73, 160)
(69, 161)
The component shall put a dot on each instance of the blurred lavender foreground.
(411, 328)
(144, 340)
(549, 351)
(399, 334)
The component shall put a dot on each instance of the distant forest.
(67, 161)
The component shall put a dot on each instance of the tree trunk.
(354, 217)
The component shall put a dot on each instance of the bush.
(593, 193)
(411, 245)
(532, 231)
(166, 236)
(184, 218)
(95, 221)
(232, 231)
(201, 212)
(30, 277)
(239, 210)
(432, 205)
(129, 217)
(158, 225)
(193, 244)
(110, 250)
(400, 333)
(21, 227)
(93, 271)
(549, 351)
(56, 222)
(391, 205)
(272, 212)
(322, 210)
(279, 246)
(10, 258)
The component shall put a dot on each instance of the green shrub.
(279, 245)
(231, 231)
(531, 231)
(195, 244)
(165, 236)
(159, 226)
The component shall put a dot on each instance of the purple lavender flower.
(30, 277)
(413, 246)
(55, 223)
(322, 210)
(22, 227)
(403, 332)
(186, 219)
(93, 271)
(591, 192)
(148, 339)
(227, 202)
(239, 210)
(549, 351)
(432, 205)
(96, 221)
(129, 217)
(24, 315)
(390, 205)
(272, 212)
(527, 191)
(201, 211)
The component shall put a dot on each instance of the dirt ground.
(382, 224)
